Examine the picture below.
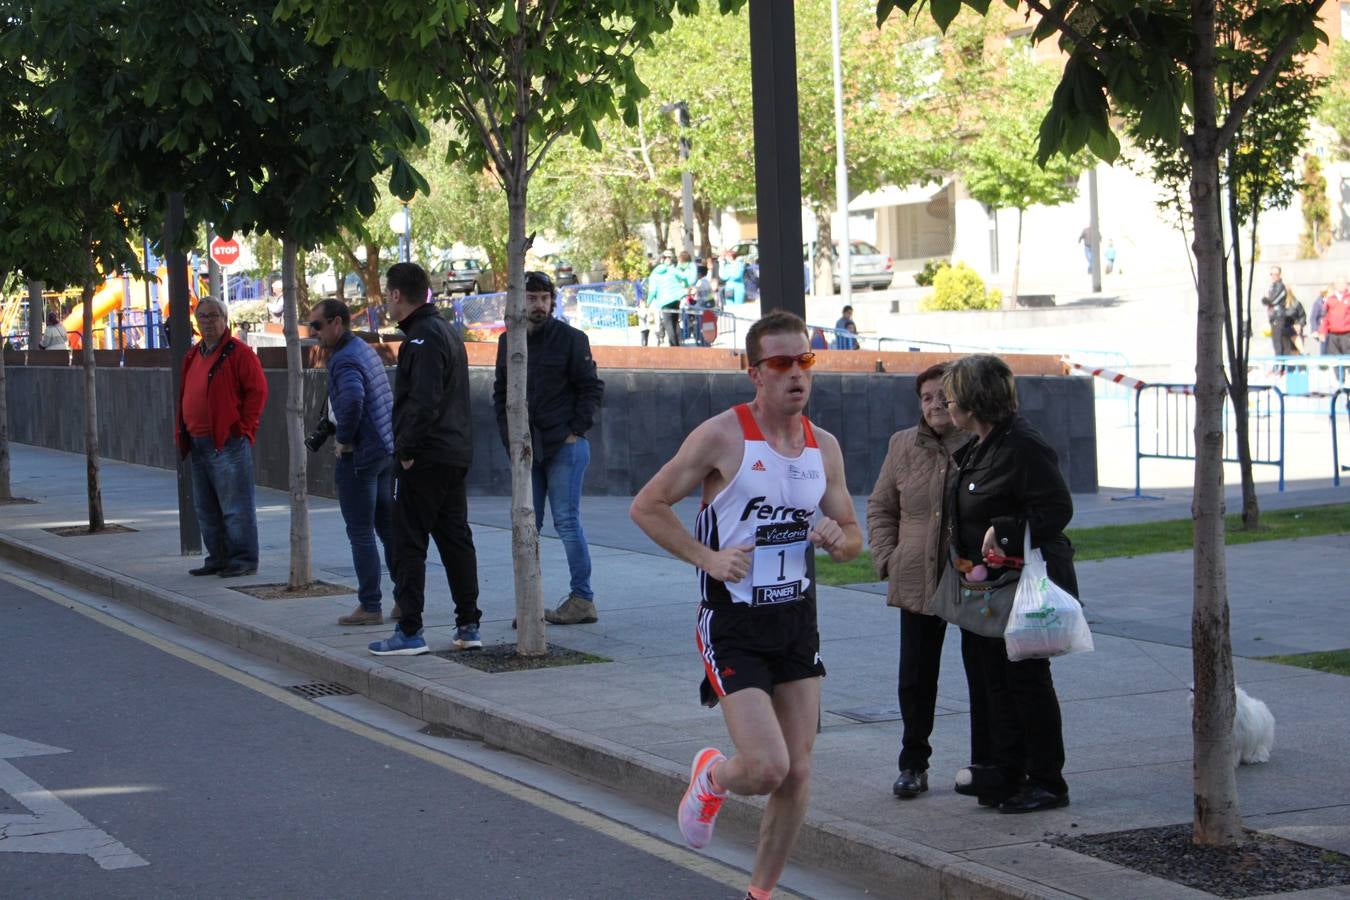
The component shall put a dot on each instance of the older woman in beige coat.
(908, 537)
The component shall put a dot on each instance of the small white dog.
(1253, 729)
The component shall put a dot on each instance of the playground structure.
(128, 311)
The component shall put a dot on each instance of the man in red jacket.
(220, 400)
(1336, 325)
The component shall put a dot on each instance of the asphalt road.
(181, 781)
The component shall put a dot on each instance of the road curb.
(888, 864)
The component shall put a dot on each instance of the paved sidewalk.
(635, 722)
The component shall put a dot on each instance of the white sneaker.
(700, 804)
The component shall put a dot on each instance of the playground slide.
(107, 299)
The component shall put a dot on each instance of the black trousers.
(430, 501)
(921, 640)
(670, 321)
(1020, 714)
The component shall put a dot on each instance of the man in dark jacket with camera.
(360, 413)
(563, 393)
(433, 446)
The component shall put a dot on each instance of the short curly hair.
(778, 321)
(982, 385)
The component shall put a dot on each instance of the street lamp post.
(681, 110)
(401, 224)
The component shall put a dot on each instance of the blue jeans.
(559, 479)
(222, 492)
(366, 497)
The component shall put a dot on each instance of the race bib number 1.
(780, 562)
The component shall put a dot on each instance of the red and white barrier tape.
(1113, 377)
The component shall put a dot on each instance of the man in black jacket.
(433, 446)
(563, 393)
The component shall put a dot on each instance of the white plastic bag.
(1046, 620)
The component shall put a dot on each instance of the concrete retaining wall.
(646, 414)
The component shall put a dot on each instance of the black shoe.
(204, 570)
(234, 570)
(1033, 799)
(994, 797)
(910, 784)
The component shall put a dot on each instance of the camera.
(320, 435)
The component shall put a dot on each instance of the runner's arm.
(837, 529)
(653, 507)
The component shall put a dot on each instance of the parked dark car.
(461, 275)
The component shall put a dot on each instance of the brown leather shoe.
(361, 616)
(572, 611)
(396, 614)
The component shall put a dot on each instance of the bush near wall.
(960, 287)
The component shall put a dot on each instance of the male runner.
(767, 475)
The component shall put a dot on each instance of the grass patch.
(1110, 541)
(1337, 662)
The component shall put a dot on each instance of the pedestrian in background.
(666, 291)
(54, 337)
(843, 338)
(221, 396)
(433, 443)
(907, 533)
(361, 409)
(563, 393)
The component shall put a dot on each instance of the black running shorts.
(756, 647)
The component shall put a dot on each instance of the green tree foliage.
(1334, 100)
(1149, 60)
(1256, 174)
(1312, 190)
(999, 165)
(513, 78)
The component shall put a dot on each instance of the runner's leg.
(796, 705)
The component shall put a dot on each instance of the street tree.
(260, 129)
(1257, 173)
(73, 219)
(999, 165)
(514, 78)
(1153, 59)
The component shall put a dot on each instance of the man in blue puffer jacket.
(361, 408)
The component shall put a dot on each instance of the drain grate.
(869, 714)
(316, 689)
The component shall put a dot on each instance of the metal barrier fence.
(1173, 426)
(1336, 467)
(1306, 376)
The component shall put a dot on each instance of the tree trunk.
(662, 226)
(1234, 327)
(37, 314)
(90, 396)
(370, 273)
(703, 215)
(1217, 819)
(5, 493)
(1017, 267)
(531, 639)
(822, 265)
(295, 423)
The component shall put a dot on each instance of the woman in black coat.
(1008, 478)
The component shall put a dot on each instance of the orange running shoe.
(700, 805)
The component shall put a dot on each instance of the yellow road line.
(653, 846)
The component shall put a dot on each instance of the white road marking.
(53, 827)
(689, 860)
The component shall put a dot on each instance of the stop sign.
(225, 252)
